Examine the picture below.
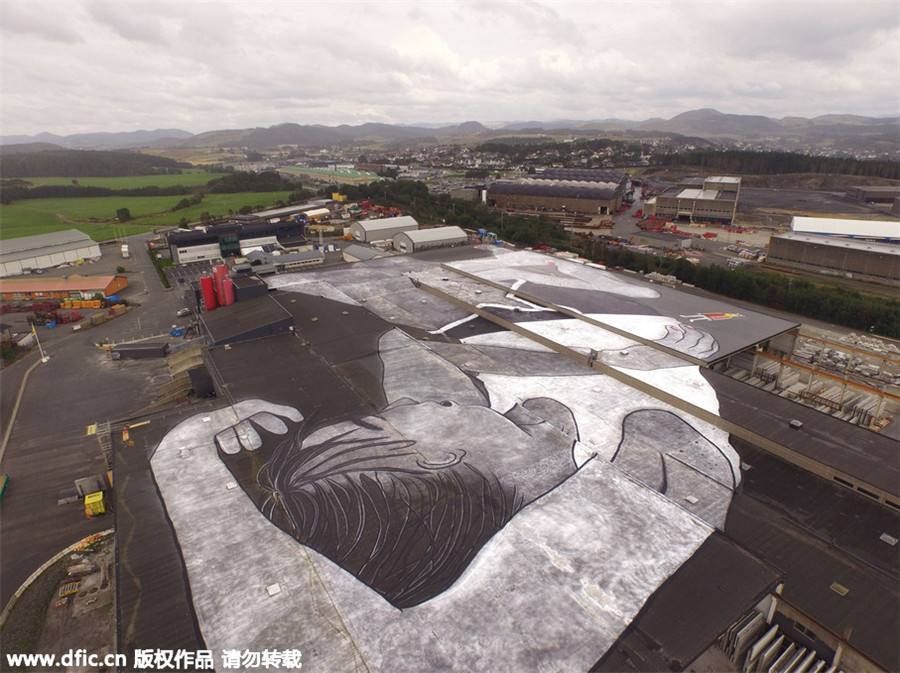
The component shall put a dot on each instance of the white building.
(46, 251)
(423, 239)
(368, 231)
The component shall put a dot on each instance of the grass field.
(339, 176)
(188, 178)
(96, 216)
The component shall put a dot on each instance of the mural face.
(406, 498)
(482, 519)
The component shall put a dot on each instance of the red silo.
(229, 291)
(207, 285)
(220, 271)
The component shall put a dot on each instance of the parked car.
(183, 312)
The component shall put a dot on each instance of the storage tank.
(220, 271)
(229, 291)
(207, 285)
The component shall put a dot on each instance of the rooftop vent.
(839, 589)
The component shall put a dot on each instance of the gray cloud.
(203, 66)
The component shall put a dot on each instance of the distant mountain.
(103, 141)
(834, 132)
(28, 148)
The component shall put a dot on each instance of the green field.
(336, 176)
(97, 216)
(16, 222)
(189, 178)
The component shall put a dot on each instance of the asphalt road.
(48, 447)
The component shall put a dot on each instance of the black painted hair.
(406, 530)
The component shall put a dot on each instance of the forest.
(772, 163)
(84, 163)
(17, 189)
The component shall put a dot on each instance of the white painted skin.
(553, 589)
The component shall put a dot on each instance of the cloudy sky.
(71, 67)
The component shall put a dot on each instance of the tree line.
(17, 189)
(772, 163)
(85, 163)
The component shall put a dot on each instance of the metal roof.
(683, 618)
(703, 194)
(388, 223)
(362, 252)
(839, 242)
(435, 234)
(565, 191)
(887, 229)
(862, 454)
(37, 243)
(15, 249)
(75, 282)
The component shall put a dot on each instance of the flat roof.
(704, 194)
(840, 242)
(862, 454)
(887, 229)
(74, 282)
(684, 617)
(227, 322)
(374, 338)
(730, 329)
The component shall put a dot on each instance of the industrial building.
(798, 569)
(369, 231)
(851, 258)
(713, 200)
(244, 320)
(222, 241)
(358, 253)
(67, 287)
(864, 249)
(872, 230)
(873, 194)
(580, 191)
(423, 239)
(287, 261)
(45, 251)
(800, 573)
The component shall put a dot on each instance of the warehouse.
(873, 230)
(228, 240)
(368, 231)
(288, 261)
(583, 191)
(68, 287)
(253, 318)
(834, 255)
(423, 239)
(359, 253)
(873, 194)
(46, 251)
(716, 200)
